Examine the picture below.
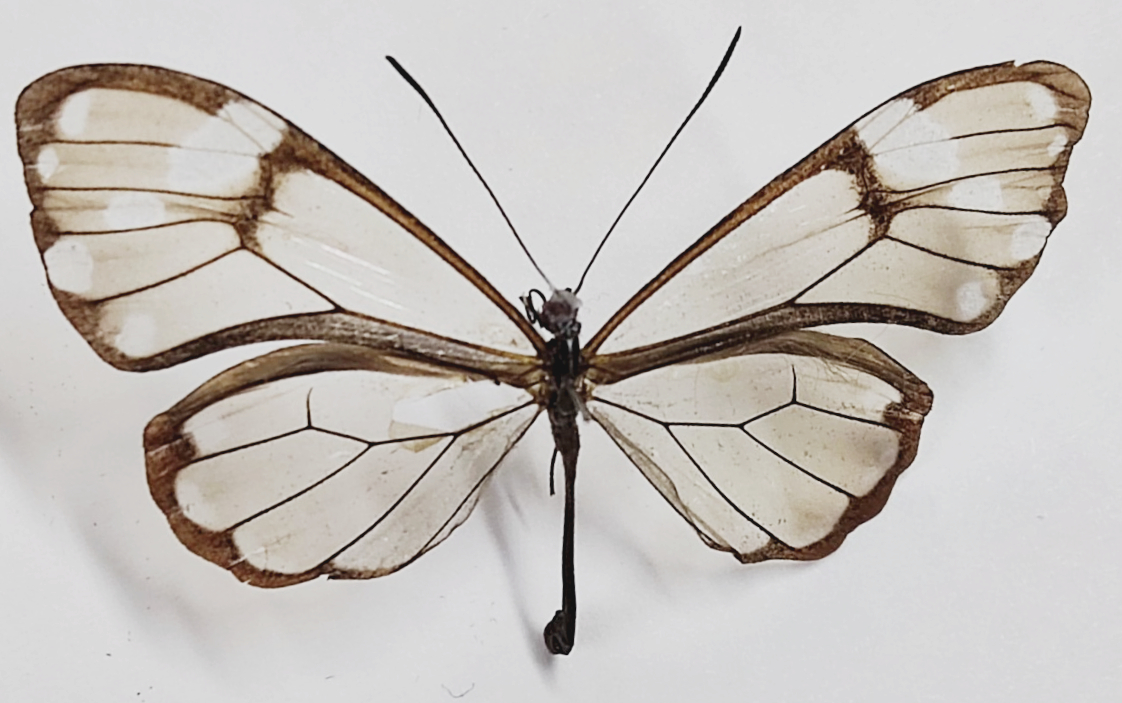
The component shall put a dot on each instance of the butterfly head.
(557, 314)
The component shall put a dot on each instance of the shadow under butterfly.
(177, 217)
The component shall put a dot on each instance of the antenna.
(705, 94)
(432, 106)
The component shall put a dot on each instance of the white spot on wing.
(1041, 101)
(192, 171)
(1029, 238)
(880, 123)
(137, 336)
(919, 150)
(133, 210)
(920, 128)
(983, 193)
(1058, 144)
(971, 300)
(263, 128)
(886, 453)
(209, 434)
(69, 266)
(47, 163)
(73, 114)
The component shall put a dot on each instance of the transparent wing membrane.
(170, 209)
(773, 450)
(930, 211)
(300, 463)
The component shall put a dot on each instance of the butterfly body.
(177, 217)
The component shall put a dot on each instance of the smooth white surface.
(992, 575)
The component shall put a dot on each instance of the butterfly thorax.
(564, 367)
(558, 316)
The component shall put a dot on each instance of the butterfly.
(177, 217)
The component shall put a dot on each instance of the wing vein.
(721, 493)
(1021, 130)
(789, 462)
(165, 145)
(159, 191)
(948, 257)
(162, 225)
(452, 513)
(369, 445)
(958, 179)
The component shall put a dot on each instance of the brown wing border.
(845, 152)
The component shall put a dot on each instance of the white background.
(992, 575)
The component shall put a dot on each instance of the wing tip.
(1058, 77)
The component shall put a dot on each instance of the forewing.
(316, 460)
(929, 211)
(176, 216)
(774, 449)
